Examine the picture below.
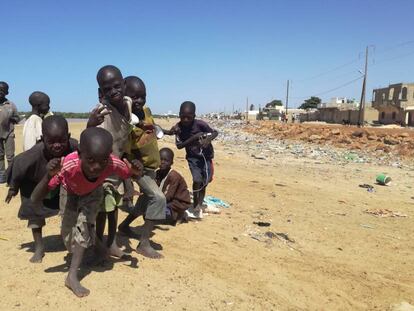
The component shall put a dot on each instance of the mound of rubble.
(389, 146)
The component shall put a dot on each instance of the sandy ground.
(340, 258)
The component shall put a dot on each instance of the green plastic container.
(383, 179)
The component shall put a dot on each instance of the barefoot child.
(143, 146)
(28, 169)
(195, 136)
(82, 173)
(174, 188)
(112, 114)
(8, 118)
(32, 129)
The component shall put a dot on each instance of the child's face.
(56, 142)
(138, 95)
(112, 89)
(43, 106)
(166, 161)
(187, 117)
(93, 163)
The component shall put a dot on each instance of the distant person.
(32, 129)
(195, 136)
(27, 171)
(8, 118)
(174, 187)
(112, 114)
(143, 146)
(81, 174)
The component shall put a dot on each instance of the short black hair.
(36, 96)
(5, 85)
(96, 138)
(134, 81)
(54, 121)
(107, 70)
(168, 151)
(188, 105)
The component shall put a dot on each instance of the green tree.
(274, 103)
(311, 103)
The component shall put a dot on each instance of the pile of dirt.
(399, 142)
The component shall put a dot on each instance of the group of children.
(87, 183)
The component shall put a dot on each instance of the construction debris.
(384, 213)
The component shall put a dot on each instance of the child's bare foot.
(115, 251)
(38, 255)
(147, 251)
(73, 284)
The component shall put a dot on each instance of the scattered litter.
(337, 213)
(369, 188)
(367, 226)
(280, 185)
(383, 179)
(384, 213)
(402, 306)
(262, 223)
(3, 238)
(259, 157)
(351, 156)
(215, 201)
(211, 209)
(281, 235)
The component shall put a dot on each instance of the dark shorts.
(201, 170)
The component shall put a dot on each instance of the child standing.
(195, 136)
(27, 171)
(112, 114)
(143, 146)
(8, 118)
(174, 188)
(32, 129)
(81, 174)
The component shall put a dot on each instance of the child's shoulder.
(175, 175)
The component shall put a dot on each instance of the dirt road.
(320, 252)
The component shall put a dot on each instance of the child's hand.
(53, 166)
(135, 166)
(148, 128)
(10, 194)
(97, 116)
(205, 141)
(175, 130)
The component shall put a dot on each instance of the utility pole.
(247, 108)
(361, 115)
(287, 99)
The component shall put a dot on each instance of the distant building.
(340, 102)
(395, 103)
(340, 110)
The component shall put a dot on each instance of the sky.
(214, 53)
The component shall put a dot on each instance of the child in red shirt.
(81, 176)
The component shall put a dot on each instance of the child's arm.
(207, 139)
(174, 130)
(15, 116)
(189, 141)
(39, 193)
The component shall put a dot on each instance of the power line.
(329, 71)
(330, 90)
(393, 58)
